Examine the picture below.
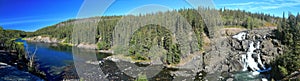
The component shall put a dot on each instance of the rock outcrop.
(224, 56)
(225, 53)
(46, 39)
(87, 46)
(10, 73)
(43, 39)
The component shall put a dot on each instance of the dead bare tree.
(31, 58)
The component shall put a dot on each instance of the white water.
(241, 36)
(264, 79)
(248, 60)
(258, 56)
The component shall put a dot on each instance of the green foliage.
(246, 19)
(283, 70)
(288, 33)
(11, 34)
(285, 65)
(141, 78)
(139, 57)
(150, 35)
(60, 31)
(105, 30)
(146, 37)
(1, 28)
(173, 55)
(197, 23)
(102, 45)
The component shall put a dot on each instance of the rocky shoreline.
(45, 39)
(218, 61)
(10, 73)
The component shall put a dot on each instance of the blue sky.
(276, 7)
(30, 15)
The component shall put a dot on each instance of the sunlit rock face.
(249, 52)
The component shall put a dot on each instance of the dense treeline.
(105, 30)
(8, 34)
(106, 26)
(241, 18)
(150, 40)
(288, 31)
(230, 18)
(62, 30)
(15, 52)
(8, 37)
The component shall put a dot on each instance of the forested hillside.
(230, 18)
(7, 34)
(288, 32)
(8, 37)
(144, 38)
(152, 35)
(241, 18)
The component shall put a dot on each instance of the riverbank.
(13, 68)
(10, 73)
(46, 39)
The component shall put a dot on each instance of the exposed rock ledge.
(86, 46)
(9, 73)
(42, 39)
(45, 39)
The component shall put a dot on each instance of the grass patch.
(66, 44)
(23, 38)
(19, 43)
(234, 27)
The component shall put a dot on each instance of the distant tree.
(298, 18)
(249, 23)
(1, 28)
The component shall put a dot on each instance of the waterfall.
(252, 58)
(241, 36)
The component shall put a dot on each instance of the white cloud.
(263, 5)
(243, 4)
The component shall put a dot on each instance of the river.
(57, 62)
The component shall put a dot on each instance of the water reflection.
(60, 62)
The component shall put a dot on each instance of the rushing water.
(251, 60)
(56, 61)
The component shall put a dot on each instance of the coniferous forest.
(145, 37)
(287, 32)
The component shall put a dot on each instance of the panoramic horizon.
(143, 40)
(34, 17)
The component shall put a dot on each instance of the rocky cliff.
(230, 52)
(234, 51)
